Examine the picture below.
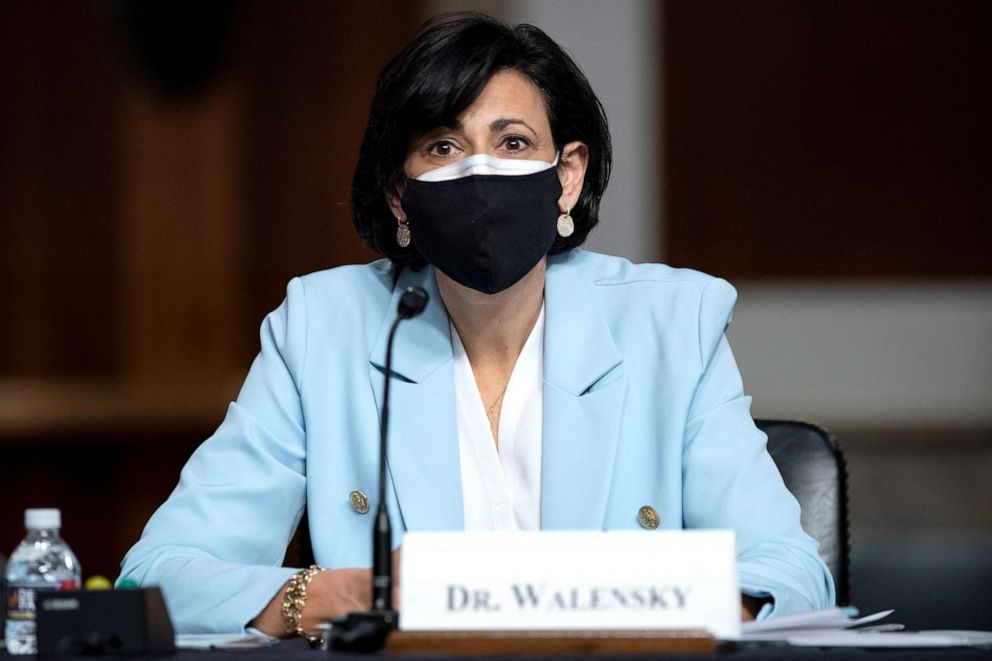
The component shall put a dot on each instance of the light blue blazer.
(643, 405)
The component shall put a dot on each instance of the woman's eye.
(441, 148)
(515, 143)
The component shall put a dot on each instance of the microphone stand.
(366, 631)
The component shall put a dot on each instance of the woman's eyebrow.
(429, 134)
(500, 124)
(494, 126)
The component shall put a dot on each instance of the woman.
(543, 387)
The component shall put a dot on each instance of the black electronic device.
(104, 622)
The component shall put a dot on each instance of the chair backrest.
(813, 468)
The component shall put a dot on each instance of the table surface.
(298, 649)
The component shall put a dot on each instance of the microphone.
(412, 302)
(367, 631)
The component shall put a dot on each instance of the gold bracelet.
(293, 601)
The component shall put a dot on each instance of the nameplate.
(485, 581)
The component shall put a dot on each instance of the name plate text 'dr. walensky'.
(485, 581)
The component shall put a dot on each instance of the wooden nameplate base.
(551, 642)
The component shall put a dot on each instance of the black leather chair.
(814, 470)
(3, 588)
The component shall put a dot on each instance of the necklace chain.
(491, 409)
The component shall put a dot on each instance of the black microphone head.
(412, 303)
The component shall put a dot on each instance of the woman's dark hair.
(440, 74)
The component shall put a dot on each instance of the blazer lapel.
(584, 390)
(423, 460)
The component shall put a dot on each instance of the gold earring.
(566, 226)
(402, 232)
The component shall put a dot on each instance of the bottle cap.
(48, 518)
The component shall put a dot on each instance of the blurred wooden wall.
(833, 158)
(145, 232)
(828, 139)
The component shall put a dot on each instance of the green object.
(126, 584)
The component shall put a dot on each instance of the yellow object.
(97, 583)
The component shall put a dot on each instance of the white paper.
(512, 580)
(848, 638)
(834, 627)
(205, 641)
(790, 634)
(828, 618)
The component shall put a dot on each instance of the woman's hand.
(330, 594)
(750, 606)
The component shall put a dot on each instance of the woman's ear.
(394, 193)
(572, 166)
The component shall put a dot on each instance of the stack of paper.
(839, 627)
(226, 641)
(822, 621)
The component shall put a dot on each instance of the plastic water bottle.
(41, 562)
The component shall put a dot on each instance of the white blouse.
(501, 490)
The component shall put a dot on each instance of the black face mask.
(484, 231)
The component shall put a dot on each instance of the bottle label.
(21, 600)
(20, 603)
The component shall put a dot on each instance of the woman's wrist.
(294, 601)
(330, 593)
(751, 606)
